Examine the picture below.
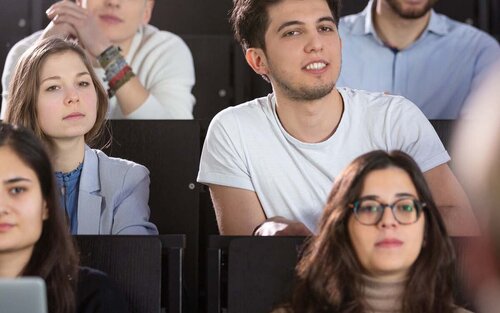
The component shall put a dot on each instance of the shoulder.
(117, 167)
(348, 22)
(467, 34)
(97, 293)
(24, 44)
(375, 102)
(154, 38)
(247, 113)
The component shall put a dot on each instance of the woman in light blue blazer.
(56, 93)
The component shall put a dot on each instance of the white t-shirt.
(247, 147)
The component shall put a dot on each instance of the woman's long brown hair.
(24, 87)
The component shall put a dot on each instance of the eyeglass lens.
(370, 211)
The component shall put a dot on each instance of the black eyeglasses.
(369, 211)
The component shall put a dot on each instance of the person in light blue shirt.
(405, 48)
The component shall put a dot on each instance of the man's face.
(411, 9)
(120, 19)
(303, 50)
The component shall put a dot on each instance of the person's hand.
(61, 30)
(280, 226)
(84, 26)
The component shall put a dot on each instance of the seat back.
(170, 149)
(133, 262)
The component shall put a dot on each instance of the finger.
(68, 19)
(61, 9)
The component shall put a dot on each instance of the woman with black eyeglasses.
(382, 245)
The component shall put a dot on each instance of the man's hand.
(61, 30)
(280, 226)
(82, 25)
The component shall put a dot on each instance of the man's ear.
(45, 211)
(148, 11)
(257, 60)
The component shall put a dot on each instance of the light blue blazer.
(113, 196)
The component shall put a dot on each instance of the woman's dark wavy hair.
(329, 274)
(54, 256)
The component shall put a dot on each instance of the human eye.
(369, 207)
(52, 88)
(291, 33)
(326, 29)
(406, 206)
(16, 190)
(84, 83)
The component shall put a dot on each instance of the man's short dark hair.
(250, 20)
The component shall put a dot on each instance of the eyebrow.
(59, 77)
(290, 23)
(399, 195)
(16, 180)
(405, 194)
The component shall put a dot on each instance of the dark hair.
(329, 274)
(54, 256)
(22, 97)
(249, 19)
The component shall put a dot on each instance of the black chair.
(254, 274)
(170, 149)
(250, 274)
(214, 89)
(141, 266)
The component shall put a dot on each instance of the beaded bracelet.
(116, 69)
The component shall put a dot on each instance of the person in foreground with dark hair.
(56, 94)
(270, 162)
(34, 236)
(381, 246)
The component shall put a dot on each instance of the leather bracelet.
(108, 55)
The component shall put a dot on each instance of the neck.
(68, 154)
(12, 263)
(394, 30)
(310, 121)
(384, 294)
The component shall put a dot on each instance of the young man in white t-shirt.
(271, 162)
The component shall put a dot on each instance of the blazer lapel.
(89, 200)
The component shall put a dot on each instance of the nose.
(314, 43)
(388, 219)
(72, 97)
(113, 3)
(3, 206)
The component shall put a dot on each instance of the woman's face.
(22, 207)
(387, 249)
(67, 100)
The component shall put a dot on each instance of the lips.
(316, 66)
(4, 227)
(74, 116)
(110, 19)
(389, 243)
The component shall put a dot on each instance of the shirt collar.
(364, 25)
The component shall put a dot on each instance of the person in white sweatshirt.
(148, 73)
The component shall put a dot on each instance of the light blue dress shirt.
(437, 72)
